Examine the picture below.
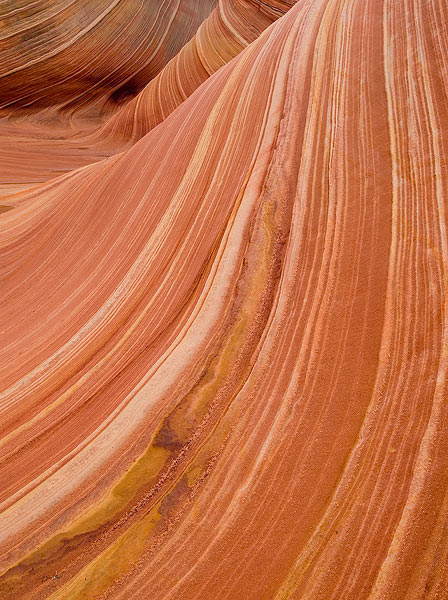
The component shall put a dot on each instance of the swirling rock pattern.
(66, 65)
(231, 27)
(75, 136)
(72, 54)
(224, 350)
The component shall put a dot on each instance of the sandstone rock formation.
(224, 340)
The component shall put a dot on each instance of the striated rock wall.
(223, 358)
(232, 26)
(87, 56)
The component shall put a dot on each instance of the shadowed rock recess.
(223, 299)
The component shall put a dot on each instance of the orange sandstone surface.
(223, 306)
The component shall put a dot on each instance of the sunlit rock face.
(224, 341)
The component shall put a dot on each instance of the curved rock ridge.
(41, 153)
(223, 364)
(231, 27)
(86, 57)
(67, 65)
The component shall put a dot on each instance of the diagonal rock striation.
(223, 358)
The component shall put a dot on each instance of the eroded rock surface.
(223, 357)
